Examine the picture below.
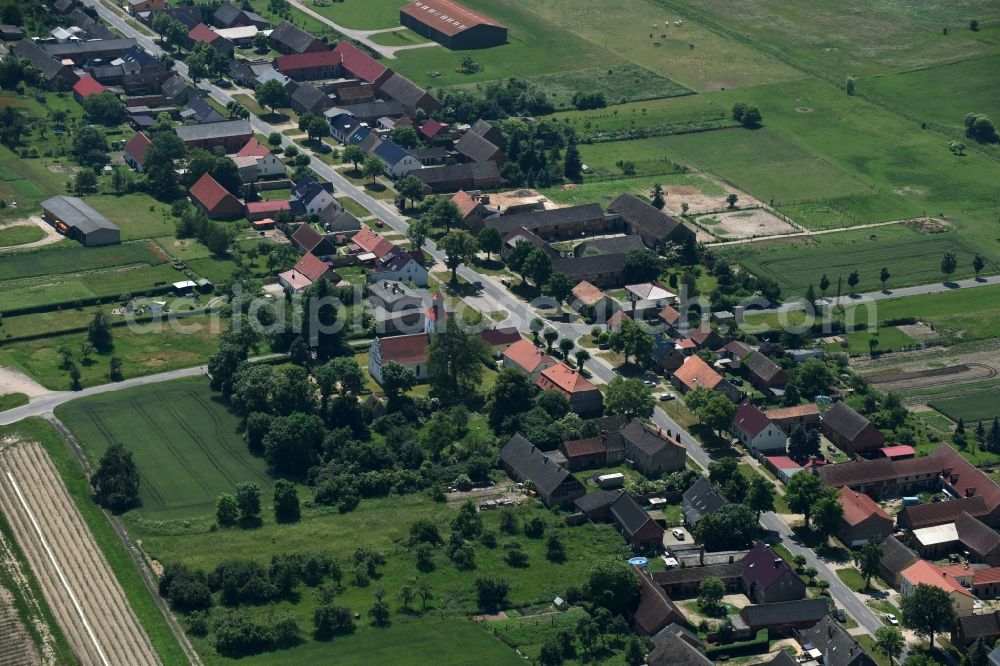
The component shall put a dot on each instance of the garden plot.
(85, 597)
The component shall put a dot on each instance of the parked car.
(649, 383)
(223, 83)
(678, 534)
(891, 619)
(666, 397)
(840, 615)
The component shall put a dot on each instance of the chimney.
(777, 562)
(969, 492)
(829, 629)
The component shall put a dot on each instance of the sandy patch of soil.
(919, 332)
(14, 381)
(747, 224)
(84, 595)
(699, 202)
(927, 225)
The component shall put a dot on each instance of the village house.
(54, 72)
(135, 149)
(396, 308)
(410, 95)
(400, 265)
(636, 525)
(370, 243)
(553, 482)
(863, 520)
(666, 354)
(255, 162)
(307, 98)
(781, 618)
(525, 356)
(454, 177)
(752, 427)
(81, 52)
(86, 87)
(309, 66)
(214, 199)
(287, 38)
(700, 500)
(615, 245)
(896, 558)
(310, 197)
(499, 340)
(648, 298)
(655, 611)
(653, 226)
(307, 239)
(360, 65)
(397, 160)
(307, 270)
(230, 16)
(135, 7)
(603, 270)
(651, 450)
(799, 416)
(590, 301)
(695, 373)
(559, 223)
(474, 148)
(584, 397)
(767, 578)
(836, 647)
(230, 135)
(850, 431)
(946, 578)
(984, 626)
(510, 241)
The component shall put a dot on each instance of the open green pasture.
(535, 45)
(652, 113)
(624, 83)
(911, 258)
(984, 405)
(692, 55)
(144, 349)
(362, 14)
(47, 290)
(189, 450)
(76, 258)
(761, 162)
(404, 37)
(906, 171)
(858, 37)
(974, 313)
(958, 88)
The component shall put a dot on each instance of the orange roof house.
(135, 151)
(314, 268)
(863, 519)
(695, 373)
(583, 396)
(923, 572)
(369, 241)
(525, 356)
(86, 87)
(253, 148)
(214, 199)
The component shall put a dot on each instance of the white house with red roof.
(369, 242)
(410, 351)
(863, 520)
(756, 432)
(255, 162)
(525, 356)
(949, 579)
(86, 87)
(584, 397)
(135, 151)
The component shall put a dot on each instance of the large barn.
(72, 217)
(452, 25)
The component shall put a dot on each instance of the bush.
(237, 635)
(331, 620)
(756, 645)
(186, 589)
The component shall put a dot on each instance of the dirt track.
(931, 368)
(85, 597)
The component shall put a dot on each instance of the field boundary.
(129, 545)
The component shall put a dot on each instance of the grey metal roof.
(645, 437)
(453, 172)
(375, 109)
(292, 36)
(675, 651)
(214, 130)
(93, 46)
(583, 267)
(75, 213)
(476, 148)
(541, 219)
(403, 90)
(628, 514)
(839, 648)
(39, 57)
(845, 421)
(599, 499)
(802, 610)
(531, 464)
(649, 219)
(702, 499)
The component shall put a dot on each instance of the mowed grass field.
(19, 234)
(363, 14)
(137, 215)
(858, 37)
(911, 258)
(76, 258)
(184, 442)
(112, 283)
(984, 405)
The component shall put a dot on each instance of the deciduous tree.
(629, 397)
(927, 610)
(116, 481)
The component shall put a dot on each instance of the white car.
(666, 397)
(891, 619)
(678, 534)
(649, 383)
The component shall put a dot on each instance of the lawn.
(852, 578)
(20, 234)
(889, 339)
(69, 288)
(405, 37)
(138, 215)
(190, 450)
(12, 400)
(76, 258)
(983, 405)
(149, 615)
(686, 110)
(835, 38)
(363, 14)
(625, 27)
(911, 257)
(144, 349)
(354, 208)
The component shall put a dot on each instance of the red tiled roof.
(447, 17)
(137, 147)
(782, 462)
(431, 128)
(795, 412)
(526, 355)
(584, 447)
(686, 343)
(208, 192)
(405, 349)
(750, 420)
(312, 266)
(617, 318)
(500, 336)
(669, 315)
(924, 572)
(359, 63)
(296, 280)
(369, 241)
(858, 507)
(897, 451)
(273, 206)
(290, 63)
(466, 204)
(695, 372)
(587, 293)
(202, 33)
(253, 148)
(88, 86)
(563, 377)
(986, 576)
(965, 478)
